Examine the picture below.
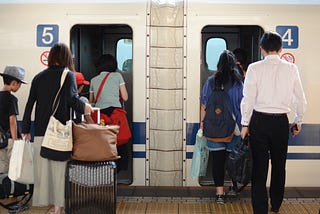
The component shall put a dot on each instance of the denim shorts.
(218, 146)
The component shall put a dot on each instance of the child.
(13, 76)
(81, 82)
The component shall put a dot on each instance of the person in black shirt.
(49, 177)
(13, 76)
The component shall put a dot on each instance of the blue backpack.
(218, 123)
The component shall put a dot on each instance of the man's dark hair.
(271, 41)
(241, 57)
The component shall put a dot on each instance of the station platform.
(198, 200)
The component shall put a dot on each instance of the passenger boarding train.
(165, 50)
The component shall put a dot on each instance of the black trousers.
(218, 167)
(269, 134)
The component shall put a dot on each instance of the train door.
(88, 43)
(215, 39)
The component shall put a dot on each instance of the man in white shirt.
(270, 87)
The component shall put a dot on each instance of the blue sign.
(290, 36)
(47, 35)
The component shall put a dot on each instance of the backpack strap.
(101, 85)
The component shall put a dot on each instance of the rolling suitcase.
(91, 187)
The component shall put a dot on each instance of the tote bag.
(21, 162)
(57, 141)
(92, 142)
(200, 157)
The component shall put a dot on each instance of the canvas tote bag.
(21, 162)
(57, 141)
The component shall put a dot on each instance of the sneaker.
(220, 199)
(18, 208)
(232, 191)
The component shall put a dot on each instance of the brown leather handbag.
(92, 142)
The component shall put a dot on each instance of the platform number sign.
(290, 36)
(47, 35)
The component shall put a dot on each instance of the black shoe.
(274, 210)
(220, 199)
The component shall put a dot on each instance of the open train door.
(215, 39)
(88, 43)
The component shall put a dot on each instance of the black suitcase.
(91, 187)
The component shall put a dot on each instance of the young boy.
(81, 82)
(13, 77)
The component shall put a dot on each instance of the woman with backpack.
(220, 99)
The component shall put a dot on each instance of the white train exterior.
(168, 63)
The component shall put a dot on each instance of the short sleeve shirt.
(8, 107)
(206, 91)
(109, 96)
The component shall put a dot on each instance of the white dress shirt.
(272, 85)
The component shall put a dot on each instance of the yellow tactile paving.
(162, 208)
(246, 208)
(189, 208)
(293, 209)
(131, 207)
(312, 208)
(228, 208)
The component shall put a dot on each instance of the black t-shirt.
(8, 107)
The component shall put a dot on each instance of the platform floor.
(198, 200)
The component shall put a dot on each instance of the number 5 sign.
(47, 35)
(290, 36)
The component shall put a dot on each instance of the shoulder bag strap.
(62, 79)
(101, 85)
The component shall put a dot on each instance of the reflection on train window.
(214, 47)
(124, 55)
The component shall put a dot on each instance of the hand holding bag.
(21, 162)
(92, 142)
(57, 141)
(239, 163)
(200, 157)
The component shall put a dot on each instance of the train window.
(124, 55)
(214, 47)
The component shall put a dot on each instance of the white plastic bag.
(200, 157)
(21, 162)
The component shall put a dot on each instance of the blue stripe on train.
(139, 155)
(310, 135)
(290, 156)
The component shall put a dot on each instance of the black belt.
(270, 114)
